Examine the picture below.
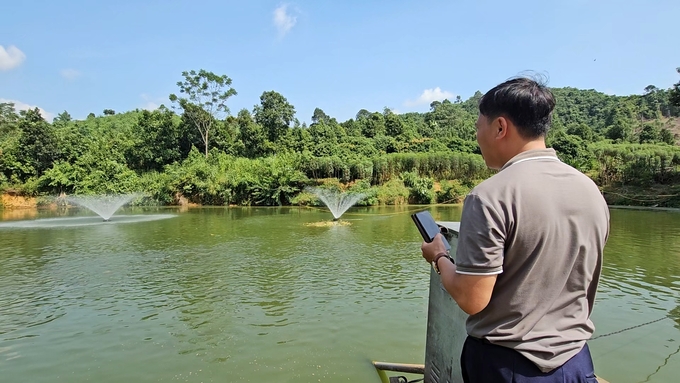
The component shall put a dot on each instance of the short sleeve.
(481, 238)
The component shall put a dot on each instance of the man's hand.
(430, 250)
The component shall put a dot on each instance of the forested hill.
(264, 156)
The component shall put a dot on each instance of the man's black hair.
(527, 103)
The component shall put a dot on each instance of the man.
(529, 250)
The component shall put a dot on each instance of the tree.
(8, 141)
(666, 136)
(109, 112)
(62, 117)
(352, 128)
(472, 104)
(582, 130)
(252, 135)
(298, 139)
(8, 119)
(158, 142)
(447, 120)
(8, 114)
(393, 125)
(649, 134)
(274, 114)
(571, 149)
(319, 116)
(207, 94)
(619, 125)
(372, 126)
(38, 143)
(226, 137)
(675, 92)
(362, 114)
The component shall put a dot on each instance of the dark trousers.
(483, 362)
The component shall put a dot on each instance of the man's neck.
(532, 145)
(524, 146)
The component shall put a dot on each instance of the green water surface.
(256, 295)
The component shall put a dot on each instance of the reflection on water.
(255, 294)
(18, 214)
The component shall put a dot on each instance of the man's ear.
(501, 127)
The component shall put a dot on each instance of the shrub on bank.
(393, 192)
(452, 191)
(420, 188)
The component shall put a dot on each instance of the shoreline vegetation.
(663, 199)
(197, 153)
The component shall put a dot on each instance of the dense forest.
(196, 151)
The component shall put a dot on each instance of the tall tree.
(252, 135)
(8, 141)
(274, 114)
(8, 118)
(7, 113)
(158, 141)
(373, 125)
(393, 124)
(38, 143)
(319, 116)
(205, 101)
(362, 114)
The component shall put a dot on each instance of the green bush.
(370, 192)
(451, 192)
(420, 188)
(278, 180)
(158, 186)
(393, 192)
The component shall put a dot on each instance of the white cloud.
(150, 106)
(18, 105)
(150, 103)
(69, 74)
(430, 95)
(283, 20)
(11, 57)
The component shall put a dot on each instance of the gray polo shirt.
(541, 226)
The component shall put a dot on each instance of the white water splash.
(104, 205)
(337, 202)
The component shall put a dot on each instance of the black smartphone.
(427, 227)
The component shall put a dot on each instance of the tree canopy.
(205, 103)
(199, 151)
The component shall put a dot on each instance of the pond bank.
(13, 201)
(662, 196)
(654, 197)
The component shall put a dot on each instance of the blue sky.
(342, 56)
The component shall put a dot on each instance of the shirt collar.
(529, 154)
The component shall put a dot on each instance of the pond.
(260, 295)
